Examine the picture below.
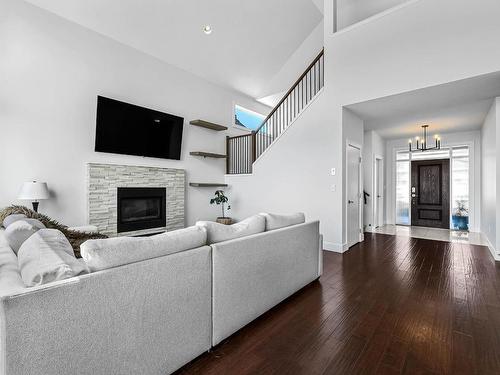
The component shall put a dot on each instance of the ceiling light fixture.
(422, 142)
(207, 29)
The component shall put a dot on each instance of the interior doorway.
(430, 193)
(378, 192)
(353, 190)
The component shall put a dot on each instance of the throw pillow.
(117, 251)
(10, 276)
(75, 237)
(219, 232)
(12, 218)
(274, 221)
(48, 256)
(19, 231)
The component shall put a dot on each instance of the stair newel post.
(254, 146)
(227, 154)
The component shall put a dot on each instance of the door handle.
(349, 201)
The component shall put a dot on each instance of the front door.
(430, 193)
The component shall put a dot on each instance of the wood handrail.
(243, 150)
(291, 89)
(241, 136)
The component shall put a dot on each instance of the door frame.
(360, 184)
(375, 189)
(474, 199)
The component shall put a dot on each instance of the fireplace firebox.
(140, 208)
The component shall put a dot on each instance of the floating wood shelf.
(206, 184)
(208, 125)
(207, 154)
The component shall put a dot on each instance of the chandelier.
(422, 144)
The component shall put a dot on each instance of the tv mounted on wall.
(123, 128)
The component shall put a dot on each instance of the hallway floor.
(433, 234)
(389, 305)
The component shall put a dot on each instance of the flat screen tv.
(123, 128)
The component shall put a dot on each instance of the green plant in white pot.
(221, 199)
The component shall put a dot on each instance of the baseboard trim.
(493, 252)
(335, 247)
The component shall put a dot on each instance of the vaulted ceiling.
(250, 42)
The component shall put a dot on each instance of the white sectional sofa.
(254, 273)
(149, 316)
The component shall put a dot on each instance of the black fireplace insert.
(141, 208)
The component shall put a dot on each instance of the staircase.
(243, 150)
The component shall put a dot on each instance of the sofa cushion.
(219, 232)
(112, 252)
(12, 218)
(10, 277)
(274, 221)
(20, 230)
(48, 256)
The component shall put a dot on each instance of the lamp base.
(35, 206)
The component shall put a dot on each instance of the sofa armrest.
(149, 317)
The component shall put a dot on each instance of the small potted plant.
(221, 199)
(460, 217)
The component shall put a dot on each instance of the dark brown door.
(430, 193)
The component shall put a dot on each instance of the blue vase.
(460, 222)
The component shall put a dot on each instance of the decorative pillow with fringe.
(74, 237)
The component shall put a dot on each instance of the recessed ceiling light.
(207, 29)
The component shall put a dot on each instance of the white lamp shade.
(34, 191)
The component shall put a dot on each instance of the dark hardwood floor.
(391, 305)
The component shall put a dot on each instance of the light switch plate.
(333, 171)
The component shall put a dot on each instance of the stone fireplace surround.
(103, 181)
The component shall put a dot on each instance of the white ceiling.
(452, 107)
(250, 42)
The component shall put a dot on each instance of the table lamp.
(34, 191)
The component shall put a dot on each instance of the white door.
(353, 214)
(378, 215)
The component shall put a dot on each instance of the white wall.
(51, 71)
(421, 44)
(473, 140)
(497, 257)
(489, 175)
(374, 146)
(272, 93)
(432, 47)
(353, 11)
(284, 182)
